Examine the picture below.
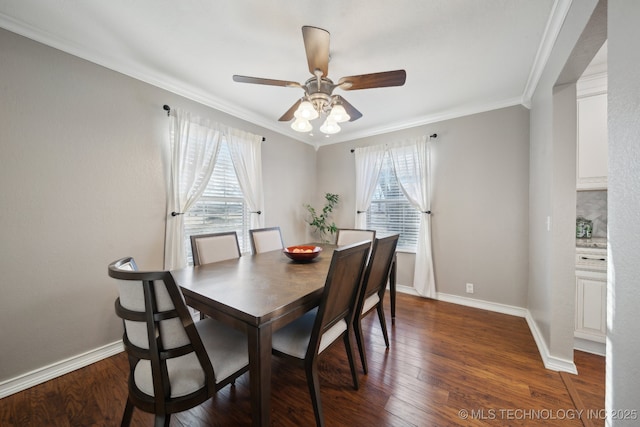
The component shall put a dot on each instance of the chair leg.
(352, 362)
(383, 324)
(126, 415)
(357, 328)
(311, 369)
(162, 420)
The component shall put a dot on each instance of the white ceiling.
(461, 56)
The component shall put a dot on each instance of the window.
(221, 207)
(390, 211)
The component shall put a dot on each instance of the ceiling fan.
(318, 99)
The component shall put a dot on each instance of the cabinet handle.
(593, 259)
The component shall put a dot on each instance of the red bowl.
(302, 252)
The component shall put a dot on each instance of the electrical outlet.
(469, 288)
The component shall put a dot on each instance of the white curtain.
(195, 143)
(246, 155)
(368, 166)
(411, 163)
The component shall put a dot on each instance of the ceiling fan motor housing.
(320, 95)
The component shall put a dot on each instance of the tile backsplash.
(593, 205)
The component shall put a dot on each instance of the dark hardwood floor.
(448, 365)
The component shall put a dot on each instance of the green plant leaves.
(320, 223)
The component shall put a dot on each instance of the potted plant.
(320, 223)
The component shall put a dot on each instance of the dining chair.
(214, 247)
(174, 364)
(348, 236)
(374, 285)
(265, 239)
(307, 337)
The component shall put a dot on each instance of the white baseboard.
(589, 346)
(550, 362)
(469, 302)
(484, 305)
(57, 369)
(406, 290)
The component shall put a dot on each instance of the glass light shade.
(339, 114)
(301, 125)
(306, 111)
(329, 127)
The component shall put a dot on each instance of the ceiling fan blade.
(261, 81)
(289, 114)
(373, 80)
(316, 44)
(350, 109)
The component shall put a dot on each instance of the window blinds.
(221, 207)
(391, 212)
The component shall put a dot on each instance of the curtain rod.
(166, 108)
(432, 136)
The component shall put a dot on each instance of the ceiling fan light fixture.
(339, 114)
(306, 111)
(329, 127)
(301, 125)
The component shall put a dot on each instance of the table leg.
(392, 288)
(260, 374)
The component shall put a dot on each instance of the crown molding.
(558, 14)
(179, 88)
(154, 79)
(592, 84)
(429, 119)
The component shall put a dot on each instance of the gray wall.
(479, 204)
(83, 155)
(623, 343)
(552, 191)
(563, 220)
(71, 201)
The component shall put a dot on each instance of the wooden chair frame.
(341, 291)
(375, 281)
(161, 404)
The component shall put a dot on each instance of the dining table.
(257, 294)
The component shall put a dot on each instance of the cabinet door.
(591, 306)
(592, 143)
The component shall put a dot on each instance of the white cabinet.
(591, 305)
(592, 157)
(591, 300)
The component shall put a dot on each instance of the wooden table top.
(256, 289)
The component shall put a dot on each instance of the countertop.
(596, 242)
